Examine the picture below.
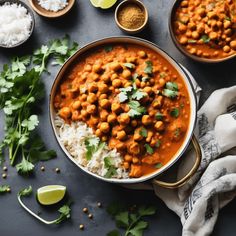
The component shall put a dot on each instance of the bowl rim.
(182, 50)
(151, 46)
(51, 14)
(30, 11)
(140, 4)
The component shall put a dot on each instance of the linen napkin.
(214, 185)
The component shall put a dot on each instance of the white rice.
(73, 137)
(53, 5)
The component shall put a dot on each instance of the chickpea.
(184, 4)
(116, 83)
(111, 118)
(191, 26)
(105, 78)
(128, 158)
(146, 120)
(104, 127)
(114, 76)
(233, 44)
(134, 148)
(226, 48)
(205, 54)
(227, 24)
(212, 15)
(94, 120)
(91, 109)
(121, 135)
(195, 35)
(201, 12)
(115, 106)
(83, 97)
(121, 147)
(92, 98)
(137, 135)
(148, 90)
(131, 60)
(153, 142)
(149, 136)
(142, 54)
(88, 68)
(75, 115)
(98, 132)
(127, 84)
(104, 138)
(142, 84)
(84, 104)
(162, 82)
(219, 24)
(182, 28)
(183, 40)
(103, 88)
(65, 112)
(216, 54)
(213, 35)
(84, 113)
(103, 115)
(115, 66)
(134, 123)
(93, 87)
(193, 51)
(126, 165)
(97, 68)
(76, 105)
(159, 126)
(124, 119)
(228, 32)
(105, 103)
(199, 52)
(135, 160)
(126, 74)
(94, 76)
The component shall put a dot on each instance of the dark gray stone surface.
(84, 24)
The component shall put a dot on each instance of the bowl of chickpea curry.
(204, 30)
(135, 99)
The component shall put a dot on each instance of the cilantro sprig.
(136, 109)
(4, 189)
(64, 210)
(149, 67)
(92, 144)
(131, 220)
(111, 169)
(21, 90)
(171, 90)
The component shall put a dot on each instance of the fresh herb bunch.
(21, 90)
(131, 220)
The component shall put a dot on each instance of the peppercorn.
(99, 204)
(42, 168)
(85, 210)
(8, 190)
(57, 170)
(4, 168)
(90, 216)
(81, 227)
(4, 175)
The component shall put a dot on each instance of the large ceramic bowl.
(189, 136)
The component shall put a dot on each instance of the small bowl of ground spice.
(131, 16)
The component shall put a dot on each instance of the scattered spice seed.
(4, 175)
(42, 168)
(57, 170)
(99, 204)
(85, 210)
(4, 168)
(8, 190)
(90, 216)
(81, 227)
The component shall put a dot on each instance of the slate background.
(84, 24)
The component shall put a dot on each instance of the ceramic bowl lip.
(29, 10)
(140, 4)
(185, 52)
(178, 67)
(50, 14)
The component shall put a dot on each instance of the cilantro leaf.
(163, 75)
(122, 97)
(143, 132)
(145, 78)
(149, 68)
(174, 112)
(149, 149)
(4, 188)
(205, 38)
(137, 230)
(92, 146)
(147, 210)
(122, 219)
(170, 93)
(192, 41)
(158, 144)
(159, 116)
(64, 213)
(136, 109)
(24, 167)
(158, 165)
(138, 94)
(25, 192)
(108, 48)
(129, 65)
(111, 172)
(172, 86)
(30, 123)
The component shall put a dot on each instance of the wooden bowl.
(51, 14)
(139, 4)
(32, 24)
(182, 49)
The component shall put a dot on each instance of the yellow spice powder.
(131, 16)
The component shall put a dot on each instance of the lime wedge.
(104, 4)
(50, 194)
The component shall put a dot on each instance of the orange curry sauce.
(133, 99)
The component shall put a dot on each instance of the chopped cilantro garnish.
(149, 68)
(172, 86)
(174, 112)
(205, 38)
(108, 48)
(129, 65)
(159, 116)
(158, 144)
(136, 109)
(170, 93)
(143, 132)
(192, 41)
(149, 149)
(177, 132)
(158, 165)
(163, 75)
(92, 144)
(145, 78)
(138, 94)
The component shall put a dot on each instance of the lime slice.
(104, 4)
(50, 194)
